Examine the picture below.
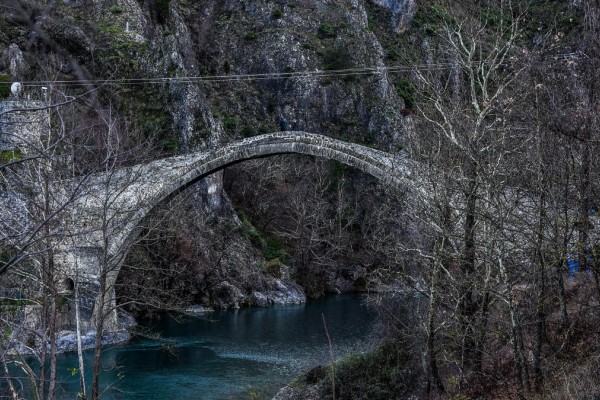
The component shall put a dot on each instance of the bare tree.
(465, 139)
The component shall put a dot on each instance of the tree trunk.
(468, 304)
(52, 327)
(434, 379)
(47, 300)
(541, 289)
(539, 327)
(99, 317)
(584, 204)
(562, 297)
(79, 347)
(433, 376)
(11, 387)
(485, 303)
(516, 337)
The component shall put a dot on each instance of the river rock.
(288, 293)
(228, 296)
(67, 340)
(23, 343)
(197, 310)
(259, 299)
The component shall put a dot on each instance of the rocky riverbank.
(26, 342)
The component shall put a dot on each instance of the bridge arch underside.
(373, 162)
(359, 164)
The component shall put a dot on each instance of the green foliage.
(352, 121)
(5, 255)
(144, 107)
(250, 35)
(167, 32)
(170, 146)
(274, 249)
(370, 23)
(270, 246)
(7, 303)
(7, 333)
(493, 17)
(229, 123)
(247, 131)
(4, 86)
(110, 29)
(398, 47)
(406, 90)
(162, 10)
(555, 16)
(13, 33)
(153, 122)
(249, 229)
(116, 10)
(117, 51)
(10, 155)
(392, 53)
(368, 137)
(61, 301)
(274, 267)
(339, 170)
(430, 19)
(386, 373)
(277, 13)
(172, 71)
(336, 59)
(327, 31)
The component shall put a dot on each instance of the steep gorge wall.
(128, 39)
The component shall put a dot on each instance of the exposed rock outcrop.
(402, 12)
(180, 42)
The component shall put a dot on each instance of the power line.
(364, 71)
(243, 77)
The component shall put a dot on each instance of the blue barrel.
(573, 266)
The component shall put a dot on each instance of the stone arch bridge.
(105, 217)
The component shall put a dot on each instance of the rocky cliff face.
(186, 56)
(402, 12)
(176, 38)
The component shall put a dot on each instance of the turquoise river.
(243, 354)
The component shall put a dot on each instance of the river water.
(243, 354)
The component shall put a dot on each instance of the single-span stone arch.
(133, 192)
(169, 176)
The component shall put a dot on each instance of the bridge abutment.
(82, 267)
